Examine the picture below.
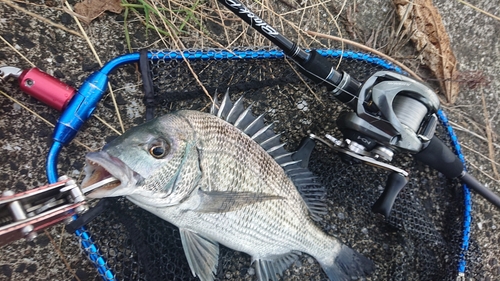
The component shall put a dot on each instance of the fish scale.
(246, 150)
(221, 183)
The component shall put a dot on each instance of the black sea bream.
(224, 178)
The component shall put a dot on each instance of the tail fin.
(348, 264)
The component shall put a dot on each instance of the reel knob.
(394, 185)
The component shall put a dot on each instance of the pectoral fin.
(202, 254)
(227, 201)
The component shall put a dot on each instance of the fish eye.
(159, 149)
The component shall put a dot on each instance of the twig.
(368, 49)
(335, 20)
(483, 172)
(219, 12)
(12, 5)
(19, 53)
(58, 250)
(107, 124)
(491, 150)
(24, 2)
(304, 8)
(479, 10)
(39, 117)
(479, 154)
(177, 42)
(405, 16)
(305, 83)
(458, 127)
(29, 110)
(291, 24)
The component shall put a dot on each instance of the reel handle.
(394, 185)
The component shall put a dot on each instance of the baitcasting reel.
(391, 113)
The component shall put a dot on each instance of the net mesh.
(419, 241)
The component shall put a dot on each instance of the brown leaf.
(430, 38)
(88, 10)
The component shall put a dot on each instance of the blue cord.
(265, 54)
(467, 195)
(94, 254)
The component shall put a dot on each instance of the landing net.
(423, 239)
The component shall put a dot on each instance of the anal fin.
(202, 254)
(268, 268)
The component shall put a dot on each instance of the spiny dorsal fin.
(236, 110)
(215, 105)
(225, 107)
(242, 118)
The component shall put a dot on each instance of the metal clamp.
(24, 214)
(8, 71)
(461, 276)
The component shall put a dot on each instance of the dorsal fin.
(242, 118)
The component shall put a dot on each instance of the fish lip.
(102, 165)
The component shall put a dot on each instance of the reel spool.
(393, 112)
(410, 112)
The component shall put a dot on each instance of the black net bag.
(421, 240)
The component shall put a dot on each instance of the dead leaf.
(89, 10)
(431, 39)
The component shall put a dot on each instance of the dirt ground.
(24, 139)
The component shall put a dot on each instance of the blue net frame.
(83, 234)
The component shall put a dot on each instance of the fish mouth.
(108, 176)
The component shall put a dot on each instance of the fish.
(224, 177)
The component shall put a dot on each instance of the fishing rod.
(392, 112)
(313, 65)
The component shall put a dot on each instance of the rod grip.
(438, 156)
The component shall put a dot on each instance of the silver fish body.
(224, 178)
